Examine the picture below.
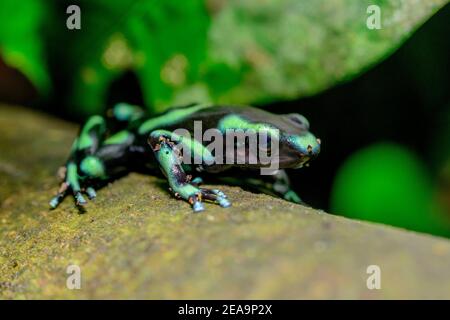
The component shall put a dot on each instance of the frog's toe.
(197, 205)
(59, 197)
(219, 193)
(216, 196)
(80, 200)
(55, 201)
(223, 202)
(91, 193)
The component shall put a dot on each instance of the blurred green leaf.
(387, 183)
(21, 39)
(294, 48)
(236, 51)
(162, 41)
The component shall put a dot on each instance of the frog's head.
(298, 146)
(290, 144)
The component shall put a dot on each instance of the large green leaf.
(238, 51)
(21, 40)
(293, 48)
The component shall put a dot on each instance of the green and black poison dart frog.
(129, 140)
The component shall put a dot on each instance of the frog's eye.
(299, 119)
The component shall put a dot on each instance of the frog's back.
(237, 117)
(206, 117)
(184, 117)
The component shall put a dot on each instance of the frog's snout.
(308, 152)
(314, 150)
(311, 149)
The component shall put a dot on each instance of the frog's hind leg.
(109, 161)
(277, 185)
(166, 147)
(87, 143)
(99, 152)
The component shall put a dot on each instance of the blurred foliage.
(249, 51)
(387, 183)
(21, 39)
(162, 41)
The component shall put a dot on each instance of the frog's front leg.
(282, 187)
(81, 155)
(167, 148)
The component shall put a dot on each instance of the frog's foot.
(72, 182)
(78, 195)
(210, 195)
(62, 192)
(292, 196)
(215, 196)
(195, 196)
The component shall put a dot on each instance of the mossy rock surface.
(136, 241)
